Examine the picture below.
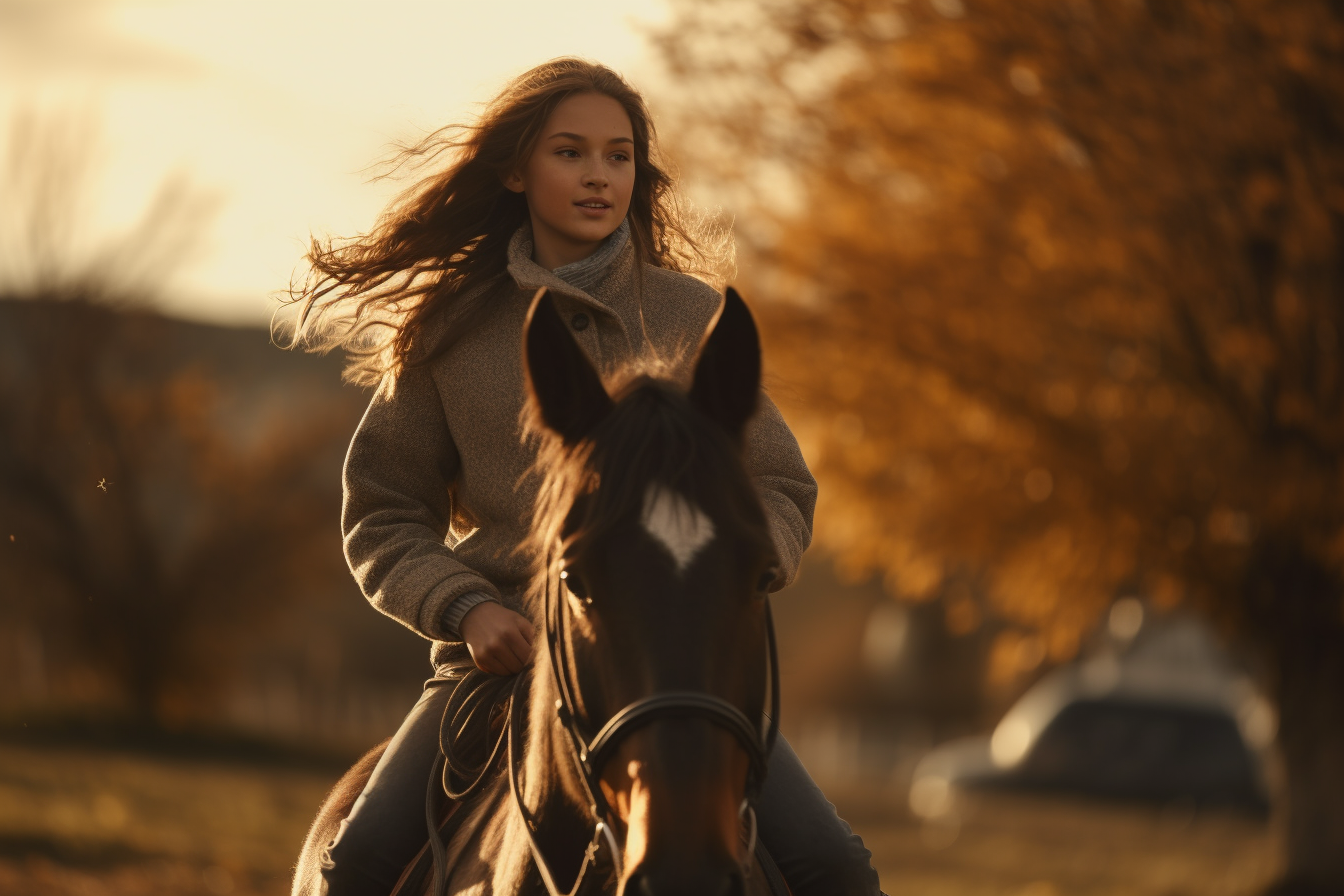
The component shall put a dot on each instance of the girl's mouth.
(593, 208)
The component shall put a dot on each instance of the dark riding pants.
(815, 849)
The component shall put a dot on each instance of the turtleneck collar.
(588, 272)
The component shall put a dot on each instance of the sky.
(270, 112)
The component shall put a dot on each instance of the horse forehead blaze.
(675, 523)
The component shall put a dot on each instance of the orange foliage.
(1062, 279)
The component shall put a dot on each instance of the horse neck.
(562, 797)
(551, 790)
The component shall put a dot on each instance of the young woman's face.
(579, 178)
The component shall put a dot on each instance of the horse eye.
(767, 579)
(574, 584)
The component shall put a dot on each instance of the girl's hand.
(499, 639)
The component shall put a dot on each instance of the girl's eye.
(567, 153)
(620, 157)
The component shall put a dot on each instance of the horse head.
(658, 559)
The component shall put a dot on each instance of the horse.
(647, 715)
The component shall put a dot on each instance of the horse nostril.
(637, 884)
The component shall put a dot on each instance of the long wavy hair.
(443, 243)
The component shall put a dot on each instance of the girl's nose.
(595, 177)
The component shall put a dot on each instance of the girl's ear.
(727, 380)
(513, 181)
(563, 386)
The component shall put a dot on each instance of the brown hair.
(443, 242)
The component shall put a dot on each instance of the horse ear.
(727, 379)
(563, 384)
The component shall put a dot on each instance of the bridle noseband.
(590, 753)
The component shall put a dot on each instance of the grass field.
(82, 822)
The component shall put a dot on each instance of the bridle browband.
(590, 753)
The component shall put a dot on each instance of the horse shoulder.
(478, 859)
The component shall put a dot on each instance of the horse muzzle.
(671, 878)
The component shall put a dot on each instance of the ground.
(81, 822)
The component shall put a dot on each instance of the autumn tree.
(1060, 287)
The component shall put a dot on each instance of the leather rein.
(590, 752)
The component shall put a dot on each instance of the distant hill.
(169, 529)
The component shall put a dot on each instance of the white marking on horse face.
(677, 524)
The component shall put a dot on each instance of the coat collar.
(530, 276)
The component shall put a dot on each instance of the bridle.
(590, 752)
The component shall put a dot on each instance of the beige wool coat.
(437, 496)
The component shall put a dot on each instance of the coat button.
(579, 321)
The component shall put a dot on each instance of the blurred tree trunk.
(1298, 607)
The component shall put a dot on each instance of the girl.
(558, 185)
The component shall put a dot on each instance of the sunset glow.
(273, 112)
